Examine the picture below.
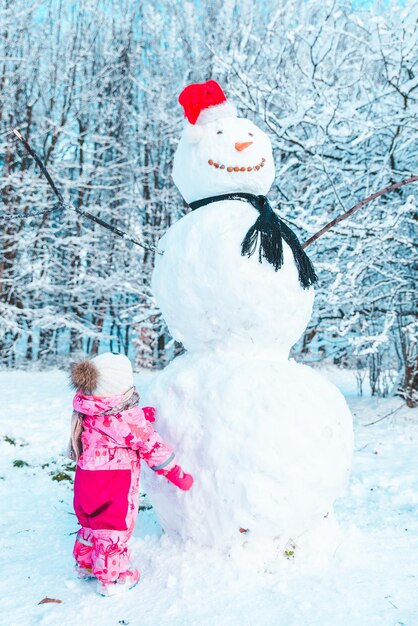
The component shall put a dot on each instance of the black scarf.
(271, 230)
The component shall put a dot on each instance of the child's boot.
(126, 581)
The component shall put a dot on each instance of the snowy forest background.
(93, 86)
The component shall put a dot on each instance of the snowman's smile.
(237, 168)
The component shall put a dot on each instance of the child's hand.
(178, 477)
(149, 413)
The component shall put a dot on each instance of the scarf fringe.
(307, 274)
(270, 230)
(271, 246)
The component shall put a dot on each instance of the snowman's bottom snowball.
(269, 444)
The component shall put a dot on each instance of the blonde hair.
(75, 446)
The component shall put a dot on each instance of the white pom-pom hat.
(108, 374)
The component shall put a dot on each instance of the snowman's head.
(218, 152)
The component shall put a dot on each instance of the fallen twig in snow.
(390, 601)
(385, 416)
(47, 600)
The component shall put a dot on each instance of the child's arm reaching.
(179, 478)
(155, 452)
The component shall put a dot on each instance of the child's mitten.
(149, 413)
(178, 477)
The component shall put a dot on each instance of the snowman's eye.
(251, 135)
(220, 132)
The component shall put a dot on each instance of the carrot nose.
(241, 146)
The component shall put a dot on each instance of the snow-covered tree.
(92, 84)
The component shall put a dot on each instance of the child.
(110, 434)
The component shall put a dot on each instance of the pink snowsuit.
(106, 486)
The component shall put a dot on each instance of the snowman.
(268, 440)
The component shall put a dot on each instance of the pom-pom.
(192, 133)
(84, 376)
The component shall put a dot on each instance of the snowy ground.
(370, 579)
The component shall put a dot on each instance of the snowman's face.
(228, 155)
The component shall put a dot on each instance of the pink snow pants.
(107, 508)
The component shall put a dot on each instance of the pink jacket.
(106, 486)
(113, 441)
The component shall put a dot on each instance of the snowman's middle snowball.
(212, 297)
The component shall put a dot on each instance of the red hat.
(205, 102)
